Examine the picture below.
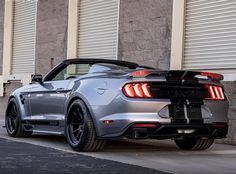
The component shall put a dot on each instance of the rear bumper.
(166, 131)
(122, 123)
(125, 112)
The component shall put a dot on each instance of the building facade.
(35, 35)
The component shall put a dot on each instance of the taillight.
(141, 73)
(216, 93)
(137, 90)
(213, 76)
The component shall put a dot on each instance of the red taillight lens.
(128, 90)
(145, 125)
(141, 73)
(137, 90)
(216, 93)
(214, 76)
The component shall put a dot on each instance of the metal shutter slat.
(211, 48)
(202, 13)
(98, 19)
(223, 12)
(199, 28)
(102, 45)
(97, 31)
(103, 29)
(209, 53)
(220, 17)
(205, 3)
(194, 61)
(228, 57)
(24, 35)
(209, 39)
(206, 23)
(207, 43)
(212, 31)
(109, 21)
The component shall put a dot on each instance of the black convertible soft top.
(130, 65)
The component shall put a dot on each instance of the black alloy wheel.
(11, 117)
(75, 125)
(13, 121)
(79, 129)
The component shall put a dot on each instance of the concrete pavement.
(23, 158)
(159, 155)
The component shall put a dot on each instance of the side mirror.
(37, 78)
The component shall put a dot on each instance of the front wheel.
(80, 131)
(194, 143)
(13, 121)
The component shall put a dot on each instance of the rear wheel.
(194, 143)
(80, 131)
(13, 121)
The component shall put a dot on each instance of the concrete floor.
(160, 155)
(24, 158)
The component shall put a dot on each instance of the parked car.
(93, 100)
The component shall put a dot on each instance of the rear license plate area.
(177, 114)
(194, 113)
(183, 113)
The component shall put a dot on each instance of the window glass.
(72, 71)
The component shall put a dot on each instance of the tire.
(79, 129)
(13, 120)
(194, 143)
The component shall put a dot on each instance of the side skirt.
(54, 127)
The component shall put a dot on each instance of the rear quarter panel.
(104, 98)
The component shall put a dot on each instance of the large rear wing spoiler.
(178, 74)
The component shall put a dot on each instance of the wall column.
(72, 31)
(7, 37)
(177, 40)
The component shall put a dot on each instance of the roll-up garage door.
(97, 30)
(210, 34)
(24, 36)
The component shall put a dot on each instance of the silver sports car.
(92, 100)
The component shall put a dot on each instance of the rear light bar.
(137, 90)
(145, 125)
(216, 93)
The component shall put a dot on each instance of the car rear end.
(168, 104)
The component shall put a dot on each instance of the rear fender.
(75, 96)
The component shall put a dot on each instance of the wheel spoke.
(9, 124)
(78, 111)
(14, 108)
(12, 124)
(80, 128)
(77, 136)
(74, 113)
(79, 131)
(76, 124)
(13, 113)
(10, 116)
(76, 130)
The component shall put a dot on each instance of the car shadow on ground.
(121, 145)
(114, 146)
